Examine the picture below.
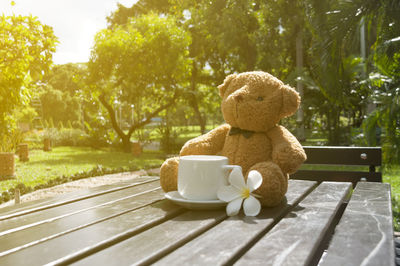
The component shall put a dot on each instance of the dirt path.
(81, 184)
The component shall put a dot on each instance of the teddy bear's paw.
(169, 174)
(289, 158)
(274, 185)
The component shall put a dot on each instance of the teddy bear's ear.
(222, 88)
(291, 101)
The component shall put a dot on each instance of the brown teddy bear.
(252, 105)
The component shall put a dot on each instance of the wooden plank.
(38, 205)
(222, 242)
(296, 238)
(364, 235)
(55, 227)
(146, 247)
(33, 219)
(343, 155)
(66, 247)
(339, 176)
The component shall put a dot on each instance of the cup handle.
(231, 167)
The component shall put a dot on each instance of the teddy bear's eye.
(259, 98)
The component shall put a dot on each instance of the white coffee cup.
(200, 176)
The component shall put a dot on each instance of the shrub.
(69, 137)
(168, 141)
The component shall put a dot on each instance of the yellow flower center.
(245, 193)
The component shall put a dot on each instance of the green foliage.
(69, 124)
(62, 98)
(168, 134)
(246, 35)
(391, 175)
(334, 90)
(224, 35)
(223, 38)
(149, 54)
(9, 142)
(168, 141)
(59, 106)
(144, 63)
(69, 137)
(386, 116)
(26, 48)
(98, 135)
(65, 77)
(34, 139)
(25, 114)
(51, 123)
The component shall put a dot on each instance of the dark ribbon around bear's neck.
(245, 133)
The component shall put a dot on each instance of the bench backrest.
(339, 156)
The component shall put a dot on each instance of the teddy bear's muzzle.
(238, 97)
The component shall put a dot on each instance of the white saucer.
(195, 204)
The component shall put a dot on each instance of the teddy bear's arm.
(210, 143)
(287, 152)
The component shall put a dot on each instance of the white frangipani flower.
(238, 191)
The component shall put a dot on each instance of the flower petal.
(251, 206)
(236, 178)
(228, 193)
(254, 180)
(233, 207)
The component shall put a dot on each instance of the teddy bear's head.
(256, 101)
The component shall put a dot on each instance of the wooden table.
(134, 224)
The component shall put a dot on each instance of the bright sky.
(75, 22)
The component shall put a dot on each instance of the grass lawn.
(391, 175)
(66, 161)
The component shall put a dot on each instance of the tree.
(65, 77)
(383, 81)
(61, 94)
(227, 37)
(223, 40)
(143, 63)
(26, 48)
(381, 67)
(59, 106)
(333, 71)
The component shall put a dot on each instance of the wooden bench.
(339, 156)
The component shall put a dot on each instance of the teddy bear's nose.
(238, 97)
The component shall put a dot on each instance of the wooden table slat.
(39, 205)
(75, 244)
(149, 245)
(57, 227)
(296, 238)
(364, 235)
(55, 213)
(224, 241)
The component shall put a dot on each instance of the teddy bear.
(252, 105)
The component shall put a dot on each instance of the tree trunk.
(299, 64)
(334, 130)
(126, 143)
(111, 112)
(126, 137)
(194, 102)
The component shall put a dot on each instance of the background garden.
(153, 72)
